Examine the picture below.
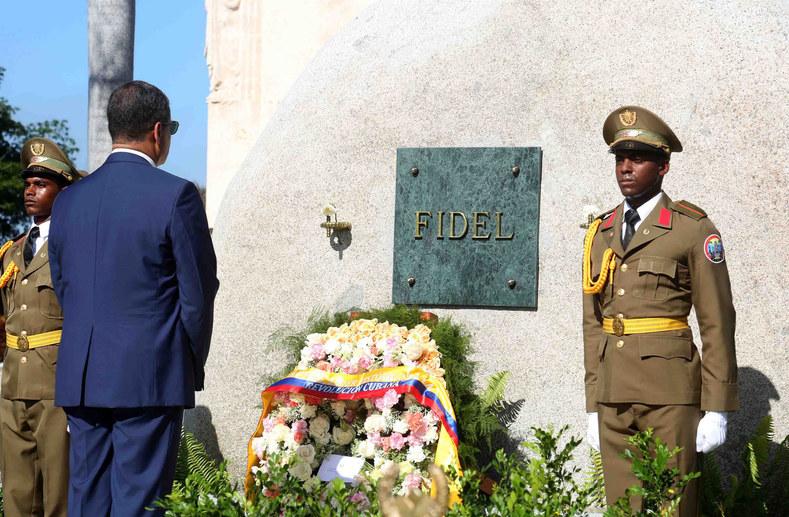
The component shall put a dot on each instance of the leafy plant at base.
(661, 485)
(542, 483)
(761, 489)
(480, 415)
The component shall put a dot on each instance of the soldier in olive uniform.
(646, 263)
(33, 431)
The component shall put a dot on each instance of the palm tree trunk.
(111, 63)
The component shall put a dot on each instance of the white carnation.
(416, 454)
(375, 423)
(366, 449)
(308, 411)
(400, 426)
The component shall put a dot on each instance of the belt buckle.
(618, 326)
(22, 343)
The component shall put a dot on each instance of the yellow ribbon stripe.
(36, 340)
(645, 325)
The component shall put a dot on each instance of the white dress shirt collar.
(643, 211)
(134, 151)
(43, 228)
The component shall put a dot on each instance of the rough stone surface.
(523, 73)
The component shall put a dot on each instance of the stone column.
(111, 63)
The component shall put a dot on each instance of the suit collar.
(128, 157)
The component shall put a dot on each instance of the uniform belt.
(621, 326)
(25, 342)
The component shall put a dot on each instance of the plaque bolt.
(516, 170)
(511, 283)
(414, 172)
(411, 281)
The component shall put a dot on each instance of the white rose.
(331, 346)
(366, 449)
(343, 436)
(319, 426)
(259, 446)
(306, 453)
(300, 471)
(280, 433)
(400, 426)
(413, 350)
(375, 423)
(308, 411)
(314, 339)
(416, 454)
(338, 407)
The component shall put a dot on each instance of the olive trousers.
(675, 425)
(35, 449)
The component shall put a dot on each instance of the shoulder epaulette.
(607, 218)
(605, 214)
(689, 209)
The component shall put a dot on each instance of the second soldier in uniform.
(646, 263)
(33, 431)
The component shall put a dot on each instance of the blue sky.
(44, 49)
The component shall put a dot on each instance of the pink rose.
(365, 362)
(350, 368)
(299, 425)
(390, 361)
(389, 399)
(413, 481)
(396, 441)
(268, 424)
(317, 352)
(323, 365)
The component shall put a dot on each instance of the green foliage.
(12, 136)
(193, 498)
(482, 418)
(761, 489)
(542, 483)
(661, 484)
(596, 478)
(193, 459)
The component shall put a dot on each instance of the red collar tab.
(609, 221)
(664, 219)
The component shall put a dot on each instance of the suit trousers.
(34, 457)
(676, 425)
(122, 459)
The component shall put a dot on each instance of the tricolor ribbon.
(428, 390)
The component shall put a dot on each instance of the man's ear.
(665, 168)
(157, 133)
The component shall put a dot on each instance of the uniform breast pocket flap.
(656, 278)
(47, 300)
(666, 347)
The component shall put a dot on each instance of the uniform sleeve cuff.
(720, 396)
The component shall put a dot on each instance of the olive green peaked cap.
(637, 128)
(41, 153)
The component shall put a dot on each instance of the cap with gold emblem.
(638, 129)
(41, 156)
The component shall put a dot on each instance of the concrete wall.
(534, 72)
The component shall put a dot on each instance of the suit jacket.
(671, 264)
(30, 306)
(135, 272)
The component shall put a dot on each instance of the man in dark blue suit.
(135, 272)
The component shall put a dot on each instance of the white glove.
(592, 431)
(711, 432)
